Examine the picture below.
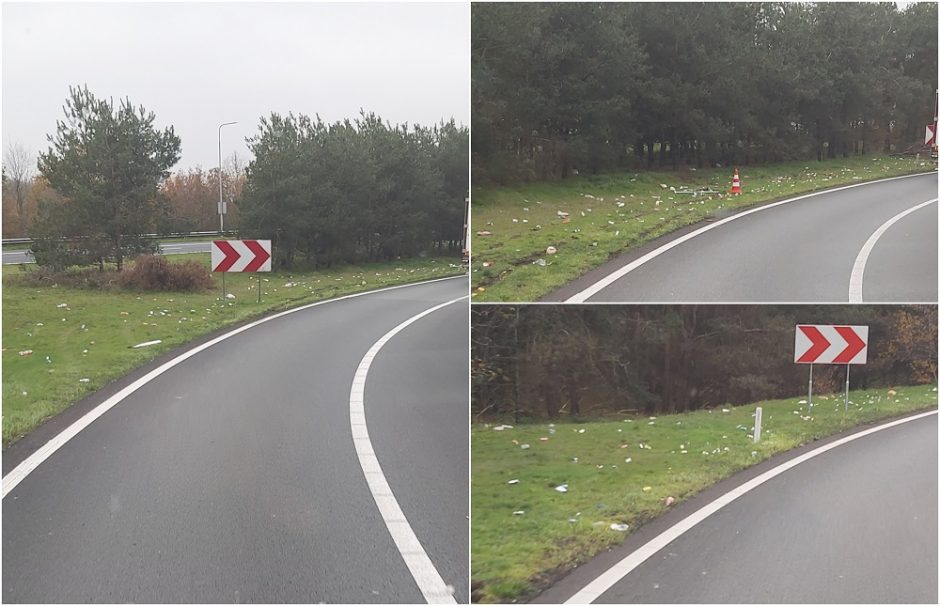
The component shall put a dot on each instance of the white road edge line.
(611, 576)
(19, 473)
(606, 281)
(429, 581)
(858, 269)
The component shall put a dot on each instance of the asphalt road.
(233, 476)
(802, 251)
(18, 257)
(857, 524)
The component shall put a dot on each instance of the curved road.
(233, 476)
(856, 524)
(18, 257)
(800, 251)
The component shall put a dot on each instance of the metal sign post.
(847, 367)
(222, 206)
(809, 398)
(825, 344)
(240, 256)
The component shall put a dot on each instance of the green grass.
(612, 213)
(515, 554)
(82, 346)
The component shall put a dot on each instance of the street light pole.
(221, 203)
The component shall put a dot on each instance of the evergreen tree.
(108, 162)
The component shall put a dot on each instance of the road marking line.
(858, 269)
(19, 473)
(615, 573)
(606, 281)
(429, 581)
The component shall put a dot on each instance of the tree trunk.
(571, 386)
(119, 254)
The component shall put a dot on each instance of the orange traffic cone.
(736, 184)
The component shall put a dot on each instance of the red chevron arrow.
(261, 255)
(231, 256)
(820, 344)
(853, 345)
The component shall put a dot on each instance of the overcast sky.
(198, 65)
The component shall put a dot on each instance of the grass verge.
(526, 533)
(610, 213)
(81, 338)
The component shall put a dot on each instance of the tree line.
(356, 190)
(561, 88)
(549, 361)
(350, 191)
(188, 198)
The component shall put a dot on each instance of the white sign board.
(830, 344)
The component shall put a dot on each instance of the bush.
(59, 253)
(73, 277)
(154, 272)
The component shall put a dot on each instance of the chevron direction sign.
(241, 255)
(823, 344)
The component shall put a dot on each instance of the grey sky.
(197, 65)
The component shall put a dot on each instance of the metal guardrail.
(165, 236)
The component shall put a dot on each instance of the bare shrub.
(83, 278)
(154, 272)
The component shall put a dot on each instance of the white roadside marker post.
(757, 420)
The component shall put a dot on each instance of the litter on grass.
(619, 527)
(513, 482)
(562, 488)
(146, 344)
